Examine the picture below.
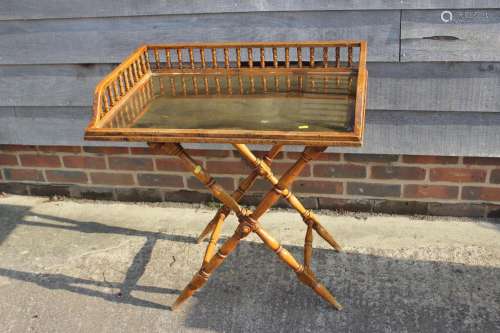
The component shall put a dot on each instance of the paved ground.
(75, 266)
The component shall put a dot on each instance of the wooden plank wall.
(434, 66)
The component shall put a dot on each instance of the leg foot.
(209, 227)
(201, 277)
(307, 277)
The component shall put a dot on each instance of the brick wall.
(435, 185)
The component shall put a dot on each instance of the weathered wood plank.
(387, 132)
(392, 86)
(43, 9)
(434, 86)
(50, 85)
(450, 35)
(109, 40)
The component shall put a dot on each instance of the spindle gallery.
(276, 93)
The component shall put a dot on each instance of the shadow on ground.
(254, 291)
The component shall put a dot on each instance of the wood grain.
(434, 86)
(36, 9)
(109, 40)
(469, 35)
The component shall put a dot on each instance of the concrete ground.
(84, 266)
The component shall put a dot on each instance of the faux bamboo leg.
(203, 274)
(244, 228)
(243, 187)
(308, 247)
(208, 228)
(248, 223)
(303, 274)
(214, 237)
(281, 187)
(176, 149)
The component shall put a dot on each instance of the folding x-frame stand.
(249, 221)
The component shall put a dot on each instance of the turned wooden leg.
(248, 222)
(208, 228)
(214, 237)
(244, 228)
(203, 274)
(308, 247)
(281, 187)
(303, 274)
(243, 187)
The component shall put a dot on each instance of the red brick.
(130, 163)
(482, 160)
(84, 162)
(373, 190)
(161, 180)
(228, 167)
(65, 176)
(317, 186)
(426, 159)
(459, 175)
(431, 191)
(33, 160)
(279, 168)
(107, 150)
(495, 176)
(7, 159)
(208, 152)
(23, 174)
(261, 154)
(339, 170)
(260, 185)
(322, 157)
(481, 193)
(60, 149)
(397, 172)
(370, 158)
(170, 164)
(106, 178)
(141, 151)
(226, 182)
(16, 148)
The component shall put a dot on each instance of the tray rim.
(353, 138)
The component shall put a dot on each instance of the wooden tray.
(309, 93)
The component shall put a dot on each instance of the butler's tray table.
(293, 93)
